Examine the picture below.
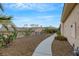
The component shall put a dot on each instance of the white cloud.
(35, 6)
(41, 20)
(47, 17)
(20, 6)
(24, 19)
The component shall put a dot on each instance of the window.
(71, 26)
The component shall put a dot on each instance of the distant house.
(70, 23)
(39, 29)
(36, 30)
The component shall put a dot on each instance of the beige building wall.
(62, 28)
(70, 28)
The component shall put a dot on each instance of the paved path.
(44, 48)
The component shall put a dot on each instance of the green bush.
(50, 31)
(1, 40)
(28, 31)
(5, 39)
(61, 38)
(58, 32)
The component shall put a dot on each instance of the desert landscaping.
(39, 30)
(24, 46)
(24, 41)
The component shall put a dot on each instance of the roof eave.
(67, 9)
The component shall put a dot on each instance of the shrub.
(50, 31)
(14, 33)
(7, 38)
(1, 40)
(58, 32)
(61, 38)
(28, 31)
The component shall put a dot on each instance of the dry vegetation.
(23, 46)
(61, 47)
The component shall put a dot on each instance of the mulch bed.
(61, 48)
(23, 46)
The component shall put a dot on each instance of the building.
(70, 23)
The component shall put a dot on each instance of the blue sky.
(44, 14)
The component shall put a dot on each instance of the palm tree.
(1, 7)
(5, 21)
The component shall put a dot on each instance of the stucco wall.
(62, 28)
(71, 27)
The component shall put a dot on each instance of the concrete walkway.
(44, 48)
